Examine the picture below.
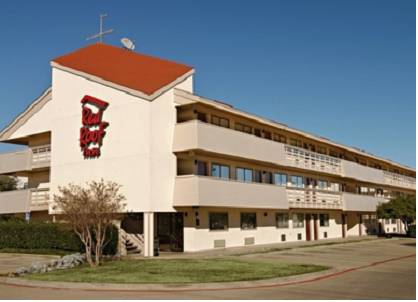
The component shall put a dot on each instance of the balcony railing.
(39, 199)
(313, 199)
(193, 190)
(399, 180)
(25, 160)
(24, 201)
(302, 158)
(41, 156)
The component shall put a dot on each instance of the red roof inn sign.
(93, 128)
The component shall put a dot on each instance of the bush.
(41, 235)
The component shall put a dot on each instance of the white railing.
(39, 196)
(399, 180)
(41, 154)
(310, 198)
(302, 158)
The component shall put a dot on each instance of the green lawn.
(178, 271)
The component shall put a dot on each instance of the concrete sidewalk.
(263, 248)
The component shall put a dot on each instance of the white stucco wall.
(38, 123)
(137, 148)
(201, 238)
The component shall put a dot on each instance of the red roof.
(123, 67)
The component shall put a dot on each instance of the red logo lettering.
(93, 128)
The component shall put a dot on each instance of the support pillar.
(344, 224)
(149, 234)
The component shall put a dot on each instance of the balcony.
(197, 135)
(192, 190)
(360, 203)
(314, 199)
(26, 160)
(302, 158)
(194, 134)
(398, 180)
(23, 201)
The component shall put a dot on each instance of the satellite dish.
(127, 43)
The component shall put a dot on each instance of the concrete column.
(149, 234)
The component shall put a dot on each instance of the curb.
(277, 282)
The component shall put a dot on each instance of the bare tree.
(91, 211)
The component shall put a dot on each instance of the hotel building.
(197, 173)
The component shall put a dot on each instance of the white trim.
(23, 117)
(128, 90)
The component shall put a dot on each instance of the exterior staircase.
(134, 243)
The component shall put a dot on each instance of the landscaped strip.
(178, 271)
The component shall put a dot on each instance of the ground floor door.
(170, 232)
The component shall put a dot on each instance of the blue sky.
(341, 69)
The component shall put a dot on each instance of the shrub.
(41, 235)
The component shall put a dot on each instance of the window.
(267, 178)
(280, 179)
(295, 142)
(299, 236)
(220, 121)
(267, 134)
(243, 128)
(244, 174)
(283, 237)
(220, 171)
(296, 181)
(298, 220)
(364, 190)
(201, 116)
(282, 220)
(257, 176)
(257, 132)
(393, 221)
(201, 167)
(218, 221)
(335, 187)
(323, 220)
(322, 150)
(279, 138)
(322, 184)
(248, 221)
(387, 221)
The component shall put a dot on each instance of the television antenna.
(101, 33)
(127, 43)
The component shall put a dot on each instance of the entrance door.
(360, 225)
(308, 227)
(315, 225)
(170, 232)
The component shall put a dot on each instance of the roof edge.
(26, 114)
(125, 89)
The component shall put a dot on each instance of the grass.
(36, 251)
(178, 271)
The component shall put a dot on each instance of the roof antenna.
(101, 33)
(127, 44)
